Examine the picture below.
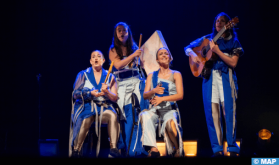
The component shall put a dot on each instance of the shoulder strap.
(171, 77)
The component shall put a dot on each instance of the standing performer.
(93, 102)
(167, 87)
(124, 52)
(221, 86)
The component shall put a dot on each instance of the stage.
(53, 40)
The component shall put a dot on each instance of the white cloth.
(217, 87)
(125, 89)
(149, 120)
(149, 123)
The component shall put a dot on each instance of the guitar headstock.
(232, 23)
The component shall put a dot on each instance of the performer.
(221, 87)
(167, 87)
(124, 52)
(93, 102)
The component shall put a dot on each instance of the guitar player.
(220, 87)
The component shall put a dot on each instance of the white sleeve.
(188, 51)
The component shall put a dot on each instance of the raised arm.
(110, 92)
(119, 64)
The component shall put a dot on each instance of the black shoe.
(114, 153)
(218, 154)
(234, 154)
(154, 154)
(75, 154)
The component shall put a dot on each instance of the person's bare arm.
(176, 97)
(149, 93)
(231, 61)
(119, 64)
(110, 92)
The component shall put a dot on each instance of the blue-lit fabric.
(155, 82)
(82, 107)
(170, 88)
(92, 79)
(129, 81)
(86, 92)
(166, 90)
(229, 46)
(165, 111)
(126, 72)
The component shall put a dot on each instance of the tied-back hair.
(169, 54)
(103, 57)
(227, 19)
(130, 43)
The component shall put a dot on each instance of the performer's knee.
(113, 117)
(109, 116)
(170, 127)
(144, 115)
(86, 124)
(215, 111)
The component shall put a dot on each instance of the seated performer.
(93, 102)
(167, 87)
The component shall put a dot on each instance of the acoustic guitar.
(206, 56)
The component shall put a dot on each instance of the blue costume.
(129, 81)
(86, 105)
(165, 112)
(228, 89)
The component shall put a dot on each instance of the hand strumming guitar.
(194, 57)
(214, 47)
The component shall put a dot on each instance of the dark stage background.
(55, 39)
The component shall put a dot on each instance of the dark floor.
(203, 157)
(204, 153)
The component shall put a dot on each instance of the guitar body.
(206, 57)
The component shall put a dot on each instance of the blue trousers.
(125, 135)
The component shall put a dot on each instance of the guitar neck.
(219, 34)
